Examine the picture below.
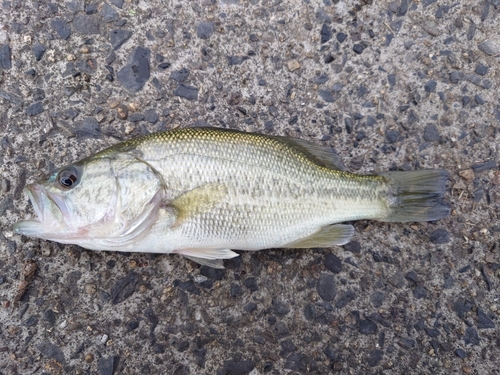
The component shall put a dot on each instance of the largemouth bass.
(203, 192)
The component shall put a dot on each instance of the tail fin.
(416, 195)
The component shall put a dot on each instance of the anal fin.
(338, 234)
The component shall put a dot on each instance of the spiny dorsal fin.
(321, 155)
(338, 234)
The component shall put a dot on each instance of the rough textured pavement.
(390, 85)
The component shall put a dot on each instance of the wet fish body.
(203, 192)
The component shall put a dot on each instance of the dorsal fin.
(321, 155)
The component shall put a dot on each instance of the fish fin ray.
(210, 254)
(416, 195)
(213, 263)
(337, 234)
(322, 155)
(197, 201)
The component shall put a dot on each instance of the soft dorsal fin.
(321, 155)
(338, 234)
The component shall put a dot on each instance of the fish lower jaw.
(35, 228)
(29, 227)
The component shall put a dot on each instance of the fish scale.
(257, 167)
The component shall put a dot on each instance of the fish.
(204, 192)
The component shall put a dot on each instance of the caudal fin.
(416, 195)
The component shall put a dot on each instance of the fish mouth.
(45, 221)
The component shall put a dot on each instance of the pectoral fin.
(197, 201)
(338, 234)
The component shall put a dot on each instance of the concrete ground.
(389, 85)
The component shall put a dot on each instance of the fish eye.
(68, 178)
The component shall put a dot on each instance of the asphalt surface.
(397, 85)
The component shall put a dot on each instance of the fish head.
(102, 203)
